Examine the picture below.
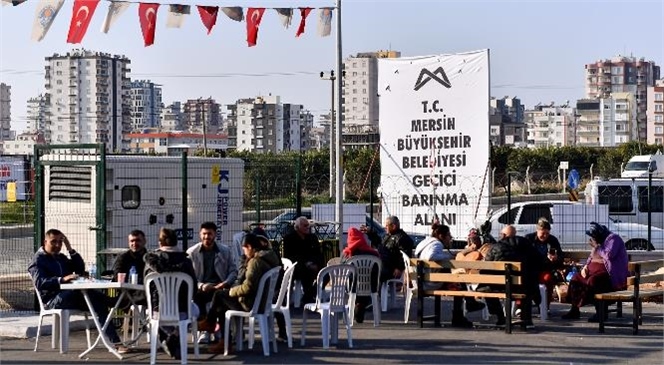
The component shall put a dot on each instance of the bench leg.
(436, 320)
(619, 310)
(637, 316)
(601, 309)
(420, 309)
(508, 315)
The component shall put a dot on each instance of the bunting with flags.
(115, 9)
(80, 19)
(208, 16)
(304, 12)
(254, 16)
(147, 15)
(45, 13)
(176, 15)
(83, 11)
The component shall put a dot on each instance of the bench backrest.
(644, 272)
(469, 272)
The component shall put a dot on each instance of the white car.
(573, 220)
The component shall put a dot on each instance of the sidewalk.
(553, 341)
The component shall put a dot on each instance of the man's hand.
(219, 286)
(552, 257)
(207, 287)
(69, 278)
(397, 273)
(584, 272)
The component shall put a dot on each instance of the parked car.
(571, 230)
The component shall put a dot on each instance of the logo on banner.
(439, 75)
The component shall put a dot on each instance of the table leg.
(102, 334)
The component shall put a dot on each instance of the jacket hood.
(166, 261)
(269, 256)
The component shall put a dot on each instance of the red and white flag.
(254, 16)
(80, 19)
(147, 14)
(208, 16)
(304, 12)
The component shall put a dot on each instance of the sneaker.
(204, 338)
(527, 324)
(164, 346)
(462, 323)
(121, 349)
(173, 344)
(517, 312)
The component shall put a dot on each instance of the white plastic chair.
(60, 329)
(297, 292)
(336, 303)
(282, 306)
(543, 307)
(409, 286)
(169, 312)
(286, 263)
(390, 287)
(365, 265)
(261, 310)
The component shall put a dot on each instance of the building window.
(658, 107)
(659, 96)
(131, 197)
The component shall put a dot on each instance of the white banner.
(434, 139)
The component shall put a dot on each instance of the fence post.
(649, 207)
(298, 185)
(257, 186)
(185, 201)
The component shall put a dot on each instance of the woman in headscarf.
(605, 271)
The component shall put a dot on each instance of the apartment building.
(655, 113)
(201, 116)
(618, 119)
(263, 124)
(5, 112)
(88, 98)
(550, 126)
(145, 104)
(173, 143)
(171, 117)
(37, 113)
(588, 116)
(360, 91)
(623, 75)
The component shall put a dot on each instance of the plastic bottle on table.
(93, 271)
(133, 275)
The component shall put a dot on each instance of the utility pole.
(332, 78)
(205, 127)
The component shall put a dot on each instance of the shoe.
(359, 313)
(474, 306)
(462, 323)
(517, 312)
(204, 337)
(121, 349)
(527, 324)
(164, 346)
(282, 339)
(217, 348)
(573, 313)
(173, 345)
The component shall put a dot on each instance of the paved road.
(552, 342)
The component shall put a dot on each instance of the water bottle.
(93, 271)
(133, 275)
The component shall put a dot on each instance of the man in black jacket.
(395, 240)
(133, 257)
(302, 246)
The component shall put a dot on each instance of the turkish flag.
(304, 12)
(147, 14)
(208, 16)
(254, 16)
(80, 19)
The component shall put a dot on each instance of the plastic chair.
(282, 306)
(286, 263)
(544, 304)
(409, 286)
(297, 291)
(337, 303)
(365, 265)
(169, 312)
(60, 330)
(390, 287)
(261, 310)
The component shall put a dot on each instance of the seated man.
(50, 268)
(133, 257)
(215, 270)
(302, 246)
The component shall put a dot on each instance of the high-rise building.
(201, 115)
(264, 124)
(88, 95)
(656, 113)
(360, 91)
(623, 75)
(588, 122)
(550, 126)
(5, 112)
(37, 113)
(171, 117)
(145, 104)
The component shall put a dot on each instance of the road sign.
(190, 233)
(573, 179)
(564, 165)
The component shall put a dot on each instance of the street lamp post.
(332, 78)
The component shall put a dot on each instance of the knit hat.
(598, 232)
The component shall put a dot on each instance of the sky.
(538, 49)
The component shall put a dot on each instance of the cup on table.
(122, 277)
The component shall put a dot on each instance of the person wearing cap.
(605, 270)
(550, 254)
(302, 246)
(357, 243)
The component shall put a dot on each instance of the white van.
(640, 166)
(628, 199)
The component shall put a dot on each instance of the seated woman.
(474, 250)
(550, 254)
(358, 244)
(437, 248)
(604, 271)
(259, 260)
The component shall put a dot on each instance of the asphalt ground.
(554, 341)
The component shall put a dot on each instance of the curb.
(26, 326)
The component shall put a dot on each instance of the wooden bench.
(641, 272)
(493, 273)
